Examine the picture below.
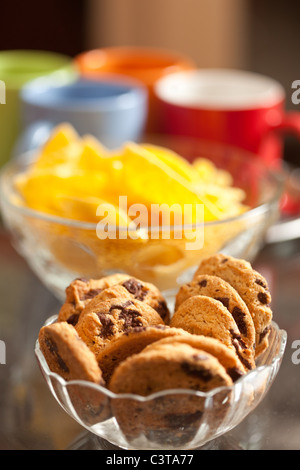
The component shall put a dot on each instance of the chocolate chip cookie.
(218, 289)
(148, 293)
(172, 415)
(67, 355)
(166, 367)
(133, 288)
(81, 291)
(131, 342)
(208, 317)
(225, 355)
(250, 285)
(103, 320)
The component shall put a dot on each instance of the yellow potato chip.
(93, 156)
(174, 161)
(42, 189)
(63, 146)
(62, 135)
(148, 180)
(208, 172)
(69, 155)
(94, 210)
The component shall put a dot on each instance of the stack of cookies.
(118, 332)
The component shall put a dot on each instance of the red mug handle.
(290, 123)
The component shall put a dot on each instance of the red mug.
(233, 107)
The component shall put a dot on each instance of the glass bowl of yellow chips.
(150, 209)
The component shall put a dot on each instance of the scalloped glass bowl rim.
(278, 179)
(162, 393)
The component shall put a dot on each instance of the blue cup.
(113, 110)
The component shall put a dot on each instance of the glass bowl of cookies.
(152, 210)
(143, 375)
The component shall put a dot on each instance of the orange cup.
(147, 65)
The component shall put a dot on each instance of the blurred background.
(249, 34)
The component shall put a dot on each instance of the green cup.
(18, 67)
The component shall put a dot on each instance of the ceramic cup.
(235, 107)
(112, 110)
(144, 64)
(18, 67)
